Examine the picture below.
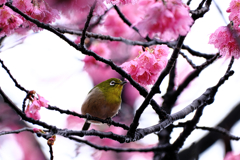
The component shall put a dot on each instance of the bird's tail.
(86, 126)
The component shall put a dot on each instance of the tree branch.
(87, 23)
(219, 130)
(13, 79)
(208, 140)
(205, 99)
(89, 117)
(16, 131)
(105, 148)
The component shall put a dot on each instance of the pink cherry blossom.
(9, 21)
(37, 9)
(116, 2)
(232, 156)
(115, 26)
(41, 11)
(77, 7)
(225, 39)
(35, 106)
(146, 68)
(32, 110)
(23, 5)
(165, 20)
(42, 101)
(234, 10)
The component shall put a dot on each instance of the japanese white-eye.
(103, 101)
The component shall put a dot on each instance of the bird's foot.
(109, 121)
(88, 115)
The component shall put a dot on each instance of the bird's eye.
(112, 83)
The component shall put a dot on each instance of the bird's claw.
(109, 121)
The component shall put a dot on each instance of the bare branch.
(105, 148)
(89, 117)
(219, 130)
(16, 131)
(14, 80)
(87, 23)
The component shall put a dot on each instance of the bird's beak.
(123, 82)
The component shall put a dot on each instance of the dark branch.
(105, 148)
(193, 75)
(220, 130)
(16, 131)
(51, 152)
(204, 143)
(188, 128)
(89, 117)
(217, 129)
(188, 60)
(200, 11)
(87, 23)
(22, 115)
(205, 99)
(14, 80)
(196, 53)
(125, 20)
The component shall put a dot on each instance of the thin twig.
(16, 131)
(105, 148)
(206, 98)
(196, 53)
(125, 20)
(230, 64)
(219, 130)
(87, 23)
(51, 152)
(188, 128)
(13, 79)
(200, 11)
(188, 60)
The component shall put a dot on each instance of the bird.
(103, 101)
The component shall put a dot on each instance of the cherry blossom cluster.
(234, 10)
(35, 103)
(146, 68)
(226, 38)
(78, 7)
(165, 19)
(9, 21)
(38, 9)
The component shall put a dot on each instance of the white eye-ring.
(112, 83)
